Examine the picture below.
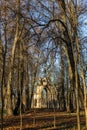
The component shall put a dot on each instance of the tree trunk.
(77, 99)
(8, 95)
(16, 38)
(71, 74)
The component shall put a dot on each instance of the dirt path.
(42, 121)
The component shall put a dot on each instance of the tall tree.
(16, 38)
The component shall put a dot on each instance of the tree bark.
(16, 38)
(77, 98)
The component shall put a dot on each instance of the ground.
(44, 120)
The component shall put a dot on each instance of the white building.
(45, 96)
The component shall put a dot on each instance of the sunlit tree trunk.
(83, 78)
(77, 97)
(21, 91)
(16, 38)
(27, 84)
(85, 95)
